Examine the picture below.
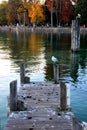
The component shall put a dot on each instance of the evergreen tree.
(81, 8)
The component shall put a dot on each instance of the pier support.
(75, 35)
(23, 78)
(13, 95)
(22, 73)
(56, 72)
(64, 96)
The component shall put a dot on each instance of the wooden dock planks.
(41, 103)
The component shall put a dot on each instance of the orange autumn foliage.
(36, 13)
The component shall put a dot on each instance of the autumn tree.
(26, 9)
(53, 9)
(3, 19)
(23, 12)
(47, 14)
(12, 7)
(48, 4)
(62, 10)
(36, 12)
(66, 12)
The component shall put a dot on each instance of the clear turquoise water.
(35, 50)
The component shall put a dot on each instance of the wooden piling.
(23, 78)
(22, 73)
(67, 96)
(75, 36)
(64, 96)
(63, 101)
(56, 72)
(13, 95)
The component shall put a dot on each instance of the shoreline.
(40, 29)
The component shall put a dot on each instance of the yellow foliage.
(36, 13)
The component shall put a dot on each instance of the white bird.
(54, 59)
(78, 16)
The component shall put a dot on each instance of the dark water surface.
(35, 50)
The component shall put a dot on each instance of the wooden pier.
(41, 106)
(39, 109)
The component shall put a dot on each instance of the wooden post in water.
(13, 95)
(23, 78)
(64, 96)
(75, 34)
(67, 96)
(56, 72)
(22, 73)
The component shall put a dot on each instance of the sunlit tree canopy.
(36, 13)
(33, 11)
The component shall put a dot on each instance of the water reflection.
(74, 66)
(83, 59)
(54, 42)
(35, 50)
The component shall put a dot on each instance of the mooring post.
(56, 72)
(75, 34)
(64, 96)
(67, 96)
(22, 73)
(13, 95)
(23, 78)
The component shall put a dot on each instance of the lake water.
(35, 50)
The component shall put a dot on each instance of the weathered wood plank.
(42, 103)
(52, 121)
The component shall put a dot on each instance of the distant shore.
(40, 29)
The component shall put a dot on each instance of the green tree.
(3, 19)
(81, 8)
